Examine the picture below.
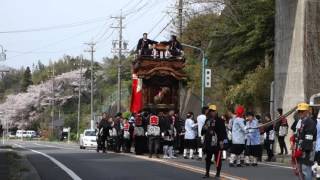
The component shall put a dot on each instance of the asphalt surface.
(4, 167)
(66, 161)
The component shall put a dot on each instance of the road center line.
(59, 164)
(184, 166)
(181, 165)
(59, 147)
(274, 165)
(177, 165)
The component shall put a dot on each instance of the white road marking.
(184, 166)
(59, 147)
(170, 163)
(59, 164)
(181, 165)
(274, 165)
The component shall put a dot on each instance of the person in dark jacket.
(127, 135)
(103, 133)
(306, 136)
(140, 140)
(214, 132)
(167, 133)
(173, 118)
(98, 137)
(180, 133)
(269, 139)
(295, 122)
(175, 47)
(1, 130)
(143, 45)
(118, 125)
(154, 134)
(281, 129)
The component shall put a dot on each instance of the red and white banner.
(126, 126)
(154, 120)
(136, 97)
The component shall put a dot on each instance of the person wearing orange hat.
(214, 132)
(238, 137)
(306, 136)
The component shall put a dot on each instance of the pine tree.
(26, 80)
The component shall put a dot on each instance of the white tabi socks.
(200, 152)
(191, 154)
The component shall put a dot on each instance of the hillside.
(23, 109)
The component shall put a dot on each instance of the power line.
(63, 26)
(105, 40)
(165, 27)
(128, 3)
(52, 44)
(132, 10)
(43, 52)
(102, 31)
(142, 11)
(103, 34)
(157, 24)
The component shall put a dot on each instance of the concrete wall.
(297, 52)
(284, 23)
(312, 47)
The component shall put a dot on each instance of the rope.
(276, 120)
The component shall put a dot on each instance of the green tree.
(26, 80)
(237, 41)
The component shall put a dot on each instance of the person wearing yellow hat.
(316, 167)
(214, 132)
(213, 107)
(306, 136)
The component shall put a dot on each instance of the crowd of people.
(240, 135)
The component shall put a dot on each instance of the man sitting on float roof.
(143, 45)
(175, 46)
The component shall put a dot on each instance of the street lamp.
(202, 69)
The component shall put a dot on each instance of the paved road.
(66, 161)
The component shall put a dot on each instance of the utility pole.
(121, 46)
(180, 8)
(53, 99)
(3, 55)
(91, 50)
(79, 98)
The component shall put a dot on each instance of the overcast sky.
(70, 23)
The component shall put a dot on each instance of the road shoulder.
(16, 166)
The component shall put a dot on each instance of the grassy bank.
(16, 167)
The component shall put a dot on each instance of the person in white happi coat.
(238, 137)
(190, 136)
(201, 119)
